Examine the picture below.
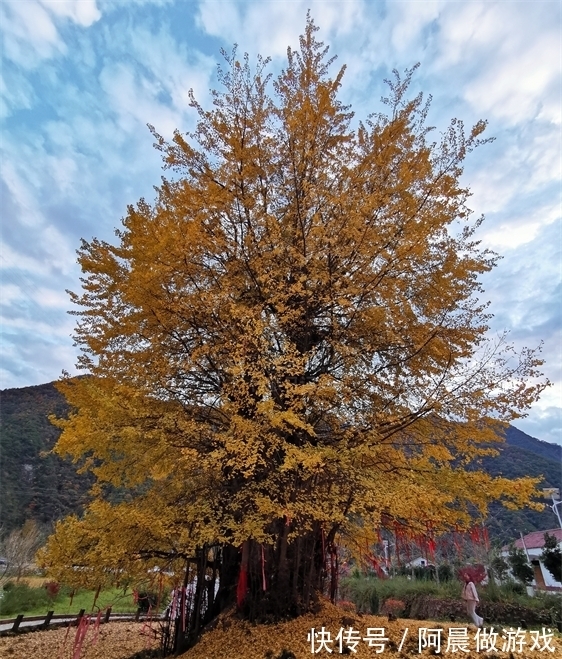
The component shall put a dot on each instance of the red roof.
(535, 540)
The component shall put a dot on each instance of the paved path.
(6, 627)
(34, 623)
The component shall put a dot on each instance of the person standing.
(470, 596)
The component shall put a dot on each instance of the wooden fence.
(36, 623)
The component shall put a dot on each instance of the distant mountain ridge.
(38, 485)
(518, 438)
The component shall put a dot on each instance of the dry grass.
(32, 582)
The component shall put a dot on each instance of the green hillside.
(40, 486)
(34, 484)
(514, 462)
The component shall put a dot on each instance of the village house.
(532, 544)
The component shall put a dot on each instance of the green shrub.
(492, 592)
(445, 573)
(500, 568)
(146, 600)
(513, 592)
(361, 591)
(451, 589)
(426, 573)
(358, 589)
(520, 565)
(552, 556)
(369, 594)
(21, 598)
(511, 588)
(374, 602)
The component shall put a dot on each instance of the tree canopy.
(552, 556)
(290, 343)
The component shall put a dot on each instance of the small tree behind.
(499, 568)
(520, 566)
(552, 556)
(19, 548)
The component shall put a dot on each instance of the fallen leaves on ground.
(232, 638)
(118, 640)
(236, 639)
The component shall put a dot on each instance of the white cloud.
(10, 293)
(30, 27)
(525, 285)
(33, 358)
(59, 252)
(48, 298)
(173, 69)
(51, 253)
(15, 93)
(134, 99)
(508, 236)
(29, 32)
(52, 298)
(82, 12)
(266, 29)
(50, 245)
(22, 194)
(111, 5)
(513, 230)
(269, 28)
(128, 77)
(516, 180)
(33, 326)
(511, 74)
(545, 422)
(525, 95)
(13, 259)
(409, 19)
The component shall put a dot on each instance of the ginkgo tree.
(287, 344)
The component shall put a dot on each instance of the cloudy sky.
(80, 79)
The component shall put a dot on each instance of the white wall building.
(532, 544)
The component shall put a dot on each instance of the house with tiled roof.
(532, 544)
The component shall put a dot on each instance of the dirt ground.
(118, 640)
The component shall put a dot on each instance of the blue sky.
(80, 79)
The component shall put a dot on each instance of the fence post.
(107, 614)
(137, 614)
(17, 622)
(47, 619)
(80, 616)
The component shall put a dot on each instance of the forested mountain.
(41, 486)
(33, 483)
(518, 439)
(523, 455)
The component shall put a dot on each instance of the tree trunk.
(282, 580)
(180, 642)
(285, 580)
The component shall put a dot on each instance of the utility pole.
(525, 547)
